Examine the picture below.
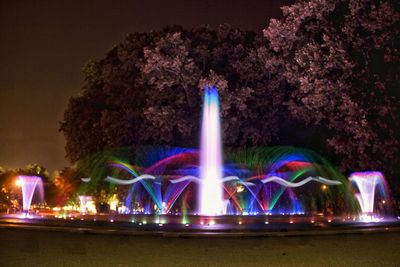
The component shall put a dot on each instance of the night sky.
(44, 45)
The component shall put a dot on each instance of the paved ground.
(37, 248)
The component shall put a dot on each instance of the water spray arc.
(28, 186)
(179, 180)
(367, 184)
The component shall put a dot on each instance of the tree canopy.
(341, 59)
(326, 77)
(148, 89)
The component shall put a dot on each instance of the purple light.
(28, 185)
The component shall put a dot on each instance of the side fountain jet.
(28, 186)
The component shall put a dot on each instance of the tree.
(66, 183)
(148, 90)
(341, 60)
(324, 77)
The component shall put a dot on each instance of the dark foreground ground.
(40, 248)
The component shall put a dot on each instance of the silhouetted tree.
(326, 76)
(148, 90)
(341, 59)
(66, 183)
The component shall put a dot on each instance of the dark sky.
(44, 44)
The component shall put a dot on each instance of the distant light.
(240, 222)
(369, 219)
(18, 182)
(266, 222)
(324, 187)
(329, 220)
(239, 189)
(211, 222)
(160, 224)
(291, 221)
(144, 222)
(312, 221)
(111, 220)
(383, 201)
(187, 224)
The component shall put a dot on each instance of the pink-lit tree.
(341, 59)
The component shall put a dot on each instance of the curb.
(199, 234)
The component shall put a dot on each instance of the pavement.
(27, 247)
(110, 241)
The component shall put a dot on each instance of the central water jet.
(211, 192)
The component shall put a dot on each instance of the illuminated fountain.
(87, 204)
(251, 182)
(211, 195)
(367, 184)
(198, 188)
(28, 186)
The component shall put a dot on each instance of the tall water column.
(211, 188)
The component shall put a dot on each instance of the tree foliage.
(341, 59)
(326, 76)
(65, 183)
(148, 89)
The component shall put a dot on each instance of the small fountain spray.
(366, 183)
(28, 185)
